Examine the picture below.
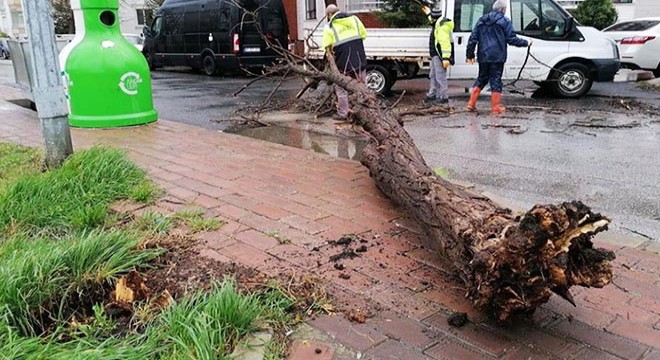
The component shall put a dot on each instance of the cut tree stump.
(510, 263)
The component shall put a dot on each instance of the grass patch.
(17, 161)
(153, 223)
(73, 197)
(195, 220)
(207, 325)
(41, 279)
(60, 254)
(648, 86)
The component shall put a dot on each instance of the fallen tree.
(510, 263)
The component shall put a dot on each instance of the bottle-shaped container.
(106, 77)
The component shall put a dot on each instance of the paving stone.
(619, 239)
(304, 224)
(611, 343)
(595, 354)
(409, 332)
(310, 350)
(357, 336)
(257, 239)
(450, 349)
(394, 350)
(644, 334)
(652, 355)
(477, 336)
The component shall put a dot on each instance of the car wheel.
(571, 80)
(379, 79)
(209, 66)
(656, 72)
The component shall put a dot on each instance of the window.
(157, 26)
(538, 18)
(641, 25)
(364, 5)
(141, 16)
(310, 9)
(468, 12)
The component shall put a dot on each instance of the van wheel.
(571, 80)
(656, 72)
(209, 66)
(379, 79)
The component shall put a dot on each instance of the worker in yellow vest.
(441, 48)
(343, 36)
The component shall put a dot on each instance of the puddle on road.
(347, 148)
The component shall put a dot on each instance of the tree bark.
(510, 263)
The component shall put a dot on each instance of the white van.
(580, 55)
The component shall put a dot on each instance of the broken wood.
(427, 111)
(510, 263)
(597, 124)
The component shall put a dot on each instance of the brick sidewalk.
(262, 190)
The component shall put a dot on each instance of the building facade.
(11, 17)
(133, 15)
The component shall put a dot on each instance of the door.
(155, 43)
(546, 24)
(466, 14)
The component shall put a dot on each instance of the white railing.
(364, 5)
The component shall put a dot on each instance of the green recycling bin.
(107, 79)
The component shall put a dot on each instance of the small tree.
(402, 14)
(597, 13)
(63, 17)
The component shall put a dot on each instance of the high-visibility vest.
(443, 42)
(339, 31)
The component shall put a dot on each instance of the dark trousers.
(490, 73)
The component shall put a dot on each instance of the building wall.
(647, 8)
(128, 19)
(11, 17)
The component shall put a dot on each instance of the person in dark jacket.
(491, 34)
(343, 37)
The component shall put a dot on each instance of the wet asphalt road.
(614, 170)
(196, 99)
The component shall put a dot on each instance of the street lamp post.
(47, 87)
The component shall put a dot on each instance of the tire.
(572, 80)
(656, 72)
(379, 79)
(209, 65)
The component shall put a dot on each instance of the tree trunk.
(510, 263)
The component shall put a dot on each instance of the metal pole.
(48, 91)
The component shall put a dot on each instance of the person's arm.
(328, 39)
(473, 41)
(361, 29)
(512, 38)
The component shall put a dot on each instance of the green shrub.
(597, 13)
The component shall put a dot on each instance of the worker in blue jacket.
(492, 34)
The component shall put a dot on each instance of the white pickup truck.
(571, 56)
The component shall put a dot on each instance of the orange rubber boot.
(472, 103)
(497, 108)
